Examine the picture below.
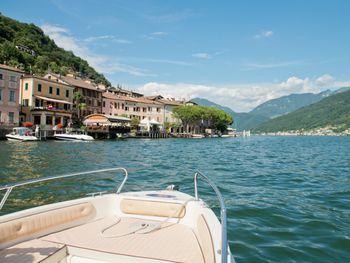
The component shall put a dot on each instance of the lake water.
(288, 198)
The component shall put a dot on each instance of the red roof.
(112, 96)
(3, 66)
(79, 83)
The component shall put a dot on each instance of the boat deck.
(111, 239)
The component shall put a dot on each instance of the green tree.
(79, 104)
(134, 123)
(203, 117)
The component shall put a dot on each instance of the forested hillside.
(286, 104)
(331, 111)
(27, 47)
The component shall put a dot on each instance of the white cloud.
(159, 33)
(156, 35)
(202, 55)
(264, 34)
(107, 37)
(325, 80)
(53, 29)
(65, 40)
(261, 66)
(241, 98)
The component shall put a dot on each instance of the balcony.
(52, 109)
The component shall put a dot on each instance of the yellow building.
(45, 102)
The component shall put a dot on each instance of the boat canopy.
(103, 119)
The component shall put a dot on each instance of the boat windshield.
(22, 131)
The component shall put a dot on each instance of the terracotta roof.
(154, 97)
(79, 83)
(171, 102)
(109, 95)
(3, 66)
(48, 80)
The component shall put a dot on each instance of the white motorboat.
(73, 137)
(197, 136)
(147, 226)
(229, 133)
(21, 134)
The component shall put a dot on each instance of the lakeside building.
(123, 92)
(132, 107)
(9, 95)
(45, 102)
(91, 93)
(168, 117)
(150, 108)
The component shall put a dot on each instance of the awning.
(53, 100)
(104, 119)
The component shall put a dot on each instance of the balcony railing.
(51, 109)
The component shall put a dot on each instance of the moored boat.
(197, 136)
(73, 137)
(145, 226)
(21, 134)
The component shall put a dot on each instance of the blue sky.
(237, 53)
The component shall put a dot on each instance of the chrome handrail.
(224, 244)
(33, 181)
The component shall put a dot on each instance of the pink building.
(140, 107)
(9, 95)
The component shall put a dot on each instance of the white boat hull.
(24, 138)
(73, 137)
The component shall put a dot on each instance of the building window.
(25, 102)
(144, 109)
(39, 87)
(13, 78)
(11, 117)
(67, 93)
(26, 86)
(50, 90)
(12, 96)
(149, 108)
(57, 91)
(0, 117)
(158, 109)
(48, 120)
(104, 104)
(126, 108)
(0, 94)
(37, 120)
(1, 77)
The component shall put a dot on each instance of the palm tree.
(79, 104)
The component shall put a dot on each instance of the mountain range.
(332, 111)
(262, 118)
(283, 105)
